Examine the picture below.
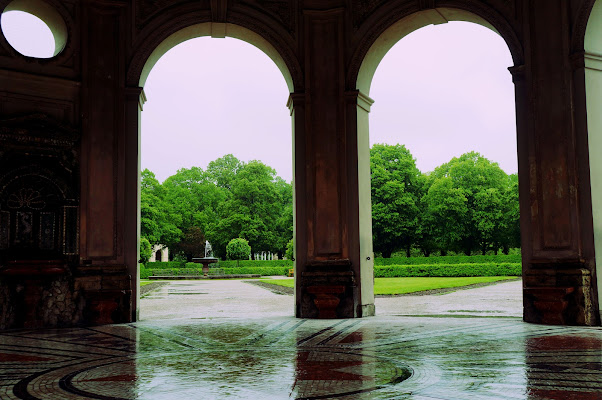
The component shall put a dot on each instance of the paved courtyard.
(239, 347)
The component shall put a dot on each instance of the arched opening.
(199, 44)
(367, 70)
(593, 88)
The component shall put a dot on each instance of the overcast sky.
(442, 91)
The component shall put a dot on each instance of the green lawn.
(411, 285)
(144, 282)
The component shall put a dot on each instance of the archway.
(593, 88)
(211, 30)
(374, 55)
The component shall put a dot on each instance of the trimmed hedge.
(175, 271)
(448, 270)
(256, 263)
(165, 264)
(263, 271)
(399, 267)
(144, 273)
(477, 259)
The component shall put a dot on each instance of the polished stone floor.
(231, 356)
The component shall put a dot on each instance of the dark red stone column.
(556, 227)
(103, 276)
(326, 185)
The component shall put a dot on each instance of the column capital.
(363, 101)
(294, 100)
(136, 94)
(518, 73)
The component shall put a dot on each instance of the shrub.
(238, 249)
(290, 250)
(145, 250)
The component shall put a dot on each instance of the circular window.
(34, 28)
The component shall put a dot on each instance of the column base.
(367, 310)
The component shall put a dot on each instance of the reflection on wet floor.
(288, 358)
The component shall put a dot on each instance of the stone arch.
(166, 32)
(366, 60)
(385, 35)
(172, 34)
(592, 44)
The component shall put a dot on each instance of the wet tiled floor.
(280, 357)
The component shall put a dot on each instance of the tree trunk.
(386, 254)
(408, 251)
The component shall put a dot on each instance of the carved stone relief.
(282, 10)
(39, 187)
(146, 9)
(362, 10)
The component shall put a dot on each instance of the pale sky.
(442, 91)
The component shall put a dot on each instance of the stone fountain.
(208, 259)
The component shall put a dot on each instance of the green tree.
(396, 192)
(442, 222)
(158, 222)
(290, 250)
(145, 250)
(509, 234)
(193, 198)
(223, 170)
(283, 224)
(192, 244)
(488, 218)
(238, 249)
(254, 210)
(482, 184)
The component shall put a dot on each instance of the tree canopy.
(465, 205)
(231, 199)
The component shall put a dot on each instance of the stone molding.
(392, 12)
(593, 61)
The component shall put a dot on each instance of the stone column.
(327, 256)
(106, 252)
(557, 245)
(590, 73)
(135, 99)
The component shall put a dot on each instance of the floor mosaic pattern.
(285, 358)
